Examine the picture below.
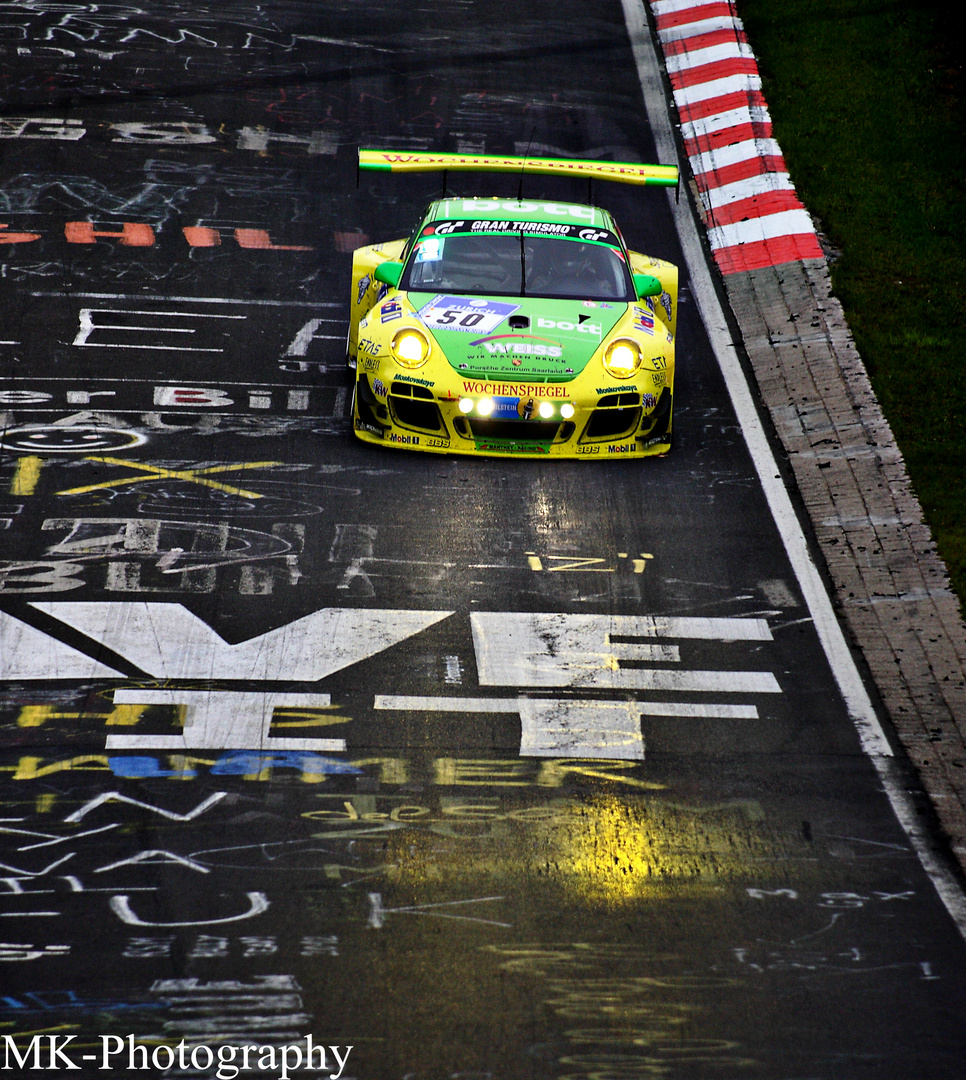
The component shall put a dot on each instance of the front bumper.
(416, 414)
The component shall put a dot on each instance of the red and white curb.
(754, 216)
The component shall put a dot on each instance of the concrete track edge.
(889, 585)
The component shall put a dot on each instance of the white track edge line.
(837, 651)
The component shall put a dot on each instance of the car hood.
(516, 336)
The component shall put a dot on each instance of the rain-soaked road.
(482, 768)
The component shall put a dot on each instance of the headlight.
(410, 348)
(622, 358)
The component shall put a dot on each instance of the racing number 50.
(471, 318)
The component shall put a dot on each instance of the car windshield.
(518, 264)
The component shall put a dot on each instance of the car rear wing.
(624, 172)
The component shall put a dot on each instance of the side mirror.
(388, 273)
(644, 285)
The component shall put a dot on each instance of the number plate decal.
(472, 315)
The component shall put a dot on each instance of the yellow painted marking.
(185, 766)
(194, 476)
(26, 475)
(125, 715)
(583, 566)
(30, 768)
(38, 715)
(281, 718)
(554, 773)
(391, 770)
(44, 802)
(314, 721)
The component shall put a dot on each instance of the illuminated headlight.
(466, 405)
(567, 411)
(545, 410)
(485, 406)
(410, 348)
(622, 358)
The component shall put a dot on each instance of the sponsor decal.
(435, 442)
(513, 408)
(391, 310)
(364, 282)
(615, 390)
(444, 227)
(520, 345)
(665, 301)
(622, 448)
(513, 448)
(659, 378)
(379, 388)
(369, 363)
(515, 390)
(581, 328)
(383, 290)
(531, 228)
(510, 408)
(361, 425)
(412, 379)
(475, 316)
(367, 345)
(486, 206)
(518, 225)
(406, 440)
(643, 320)
(648, 401)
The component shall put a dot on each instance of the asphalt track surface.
(286, 750)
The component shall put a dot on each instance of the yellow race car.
(508, 326)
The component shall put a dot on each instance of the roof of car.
(497, 209)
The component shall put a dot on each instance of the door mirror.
(647, 285)
(389, 273)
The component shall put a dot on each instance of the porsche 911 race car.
(508, 326)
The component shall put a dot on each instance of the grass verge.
(867, 100)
